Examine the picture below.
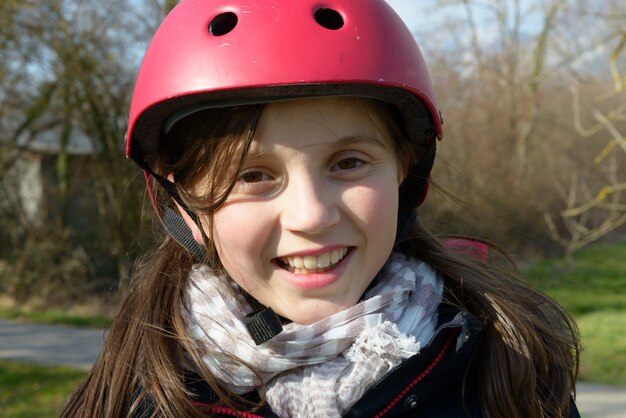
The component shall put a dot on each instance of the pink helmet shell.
(221, 52)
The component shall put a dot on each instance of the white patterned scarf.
(320, 369)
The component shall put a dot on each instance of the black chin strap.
(176, 227)
(263, 325)
(172, 221)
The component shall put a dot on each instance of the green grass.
(594, 292)
(55, 316)
(31, 391)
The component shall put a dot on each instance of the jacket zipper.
(420, 377)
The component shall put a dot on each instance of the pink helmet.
(218, 53)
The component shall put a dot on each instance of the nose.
(310, 205)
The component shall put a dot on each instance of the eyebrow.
(344, 141)
(358, 139)
(341, 142)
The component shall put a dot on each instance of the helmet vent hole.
(328, 18)
(223, 23)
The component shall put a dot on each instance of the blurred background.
(533, 156)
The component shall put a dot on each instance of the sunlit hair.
(526, 362)
(206, 148)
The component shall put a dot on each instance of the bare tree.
(24, 97)
(69, 65)
(503, 71)
(503, 48)
(594, 210)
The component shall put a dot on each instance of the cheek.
(239, 236)
(376, 207)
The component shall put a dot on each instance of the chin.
(317, 312)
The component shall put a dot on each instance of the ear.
(403, 169)
(195, 229)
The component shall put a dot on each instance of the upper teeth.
(320, 261)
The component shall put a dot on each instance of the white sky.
(435, 27)
(427, 17)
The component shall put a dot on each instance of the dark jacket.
(429, 384)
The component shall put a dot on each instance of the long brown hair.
(526, 363)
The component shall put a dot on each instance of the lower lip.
(312, 281)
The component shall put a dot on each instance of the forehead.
(328, 117)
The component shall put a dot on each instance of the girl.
(286, 146)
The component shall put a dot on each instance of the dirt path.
(50, 345)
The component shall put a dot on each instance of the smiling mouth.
(309, 264)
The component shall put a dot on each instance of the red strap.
(469, 247)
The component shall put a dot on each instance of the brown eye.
(252, 183)
(253, 177)
(347, 164)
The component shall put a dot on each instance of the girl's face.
(312, 217)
